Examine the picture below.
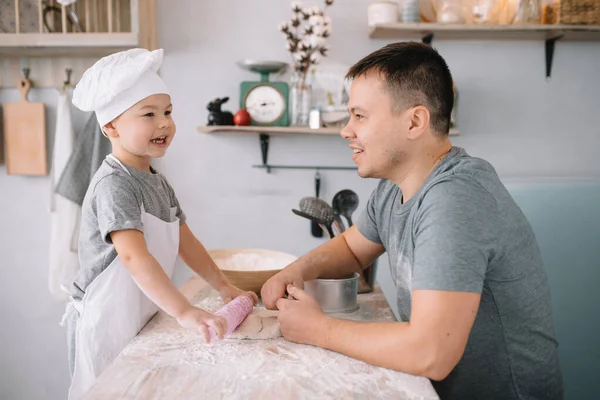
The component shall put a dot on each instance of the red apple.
(241, 117)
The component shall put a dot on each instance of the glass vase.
(300, 101)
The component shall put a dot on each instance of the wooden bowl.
(249, 269)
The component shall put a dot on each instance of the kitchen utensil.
(316, 219)
(25, 135)
(345, 202)
(262, 66)
(234, 312)
(339, 223)
(249, 269)
(335, 295)
(315, 229)
(319, 209)
(72, 16)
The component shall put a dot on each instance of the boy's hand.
(198, 320)
(230, 292)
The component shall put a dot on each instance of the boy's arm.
(148, 273)
(193, 253)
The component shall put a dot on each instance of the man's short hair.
(414, 74)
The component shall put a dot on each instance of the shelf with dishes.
(429, 31)
(545, 20)
(277, 130)
(550, 34)
(83, 28)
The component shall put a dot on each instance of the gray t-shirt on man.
(113, 202)
(462, 231)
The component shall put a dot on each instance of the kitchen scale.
(265, 101)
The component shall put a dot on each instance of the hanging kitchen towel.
(91, 148)
(64, 213)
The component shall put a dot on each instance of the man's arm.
(430, 345)
(455, 238)
(339, 257)
(342, 256)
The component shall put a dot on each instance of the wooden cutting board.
(25, 135)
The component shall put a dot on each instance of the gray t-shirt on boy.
(113, 202)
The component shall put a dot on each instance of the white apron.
(114, 309)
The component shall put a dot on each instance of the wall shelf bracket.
(427, 39)
(264, 151)
(550, 45)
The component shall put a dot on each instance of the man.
(472, 293)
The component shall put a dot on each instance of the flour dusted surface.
(166, 361)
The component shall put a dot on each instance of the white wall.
(508, 114)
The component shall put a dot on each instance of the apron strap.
(72, 304)
(115, 159)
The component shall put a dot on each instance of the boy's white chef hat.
(118, 81)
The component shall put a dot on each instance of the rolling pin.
(234, 312)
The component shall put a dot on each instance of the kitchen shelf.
(277, 130)
(265, 132)
(550, 34)
(65, 44)
(271, 130)
(485, 32)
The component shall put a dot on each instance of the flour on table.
(258, 325)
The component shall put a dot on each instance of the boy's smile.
(143, 132)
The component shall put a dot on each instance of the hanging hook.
(26, 72)
(68, 73)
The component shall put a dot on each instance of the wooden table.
(166, 361)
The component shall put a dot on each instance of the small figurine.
(216, 116)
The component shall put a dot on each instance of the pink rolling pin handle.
(234, 313)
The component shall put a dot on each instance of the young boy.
(132, 227)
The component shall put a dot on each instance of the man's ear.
(419, 121)
(110, 130)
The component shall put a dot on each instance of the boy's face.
(146, 129)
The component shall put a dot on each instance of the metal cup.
(334, 295)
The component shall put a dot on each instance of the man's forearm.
(333, 259)
(385, 344)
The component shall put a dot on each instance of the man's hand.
(274, 289)
(301, 318)
(230, 292)
(198, 320)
